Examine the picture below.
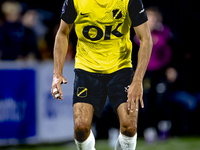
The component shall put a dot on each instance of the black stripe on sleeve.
(69, 13)
(137, 12)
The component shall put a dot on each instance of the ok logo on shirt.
(116, 14)
(99, 32)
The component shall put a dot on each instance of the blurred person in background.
(160, 59)
(17, 41)
(32, 20)
(161, 34)
(176, 103)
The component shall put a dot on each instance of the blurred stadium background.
(31, 119)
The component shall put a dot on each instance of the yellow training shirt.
(103, 31)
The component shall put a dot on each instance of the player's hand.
(56, 90)
(135, 94)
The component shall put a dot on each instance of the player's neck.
(103, 3)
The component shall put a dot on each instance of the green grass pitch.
(187, 143)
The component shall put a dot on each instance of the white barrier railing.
(26, 87)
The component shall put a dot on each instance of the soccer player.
(103, 64)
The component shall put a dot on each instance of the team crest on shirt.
(117, 14)
(82, 92)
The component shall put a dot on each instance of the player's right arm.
(60, 51)
(61, 45)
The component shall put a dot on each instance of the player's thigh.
(83, 115)
(128, 120)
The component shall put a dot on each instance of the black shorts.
(93, 88)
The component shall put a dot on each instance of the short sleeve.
(68, 12)
(137, 12)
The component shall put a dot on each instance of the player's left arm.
(135, 91)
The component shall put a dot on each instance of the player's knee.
(129, 129)
(82, 128)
